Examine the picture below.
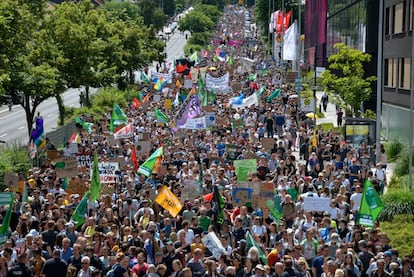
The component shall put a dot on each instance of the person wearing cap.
(259, 271)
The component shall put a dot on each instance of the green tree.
(345, 76)
(196, 22)
(210, 11)
(26, 68)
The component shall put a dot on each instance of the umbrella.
(312, 115)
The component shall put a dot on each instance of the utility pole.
(379, 82)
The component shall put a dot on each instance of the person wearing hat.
(259, 271)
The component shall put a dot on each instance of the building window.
(405, 65)
(387, 26)
(390, 70)
(398, 18)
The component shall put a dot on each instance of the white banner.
(213, 244)
(198, 123)
(107, 173)
(218, 84)
(290, 43)
(166, 76)
(247, 102)
(316, 204)
(125, 132)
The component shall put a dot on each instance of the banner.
(169, 201)
(247, 102)
(290, 43)
(125, 132)
(191, 110)
(316, 204)
(166, 76)
(213, 244)
(210, 118)
(198, 123)
(218, 84)
(244, 167)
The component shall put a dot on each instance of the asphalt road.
(13, 126)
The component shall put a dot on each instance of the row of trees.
(43, 52)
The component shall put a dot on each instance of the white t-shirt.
(356, 198)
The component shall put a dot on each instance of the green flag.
(261, 90)
(95, 182)
(371, 205)
(230, 61)
(194, 57)
(202, 92)
(160, 116)
(4, 229)
(118, 118)
(87, 126)
(80, 213)
(252, 77)
(264, 71)
(5, 198)
(251, 242)
(144, 77)
(65, 183)
(274, 94)
(148, 166)
(218, 205)
(275, 208)
(212, 96)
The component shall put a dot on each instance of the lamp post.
(411, 135)
(379, 82)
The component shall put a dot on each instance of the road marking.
(22, 127)
(5, 134)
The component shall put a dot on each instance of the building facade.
(397, 54)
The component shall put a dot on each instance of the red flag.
(134, 159)
(135, 103)
(208, 197)
(181, 68)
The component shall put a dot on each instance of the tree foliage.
(345, 76)
(196, 22)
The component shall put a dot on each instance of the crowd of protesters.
(128, 234)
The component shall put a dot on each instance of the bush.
(14, 159)
(402, 163)
(393, 149)
(400, 233)
(397, 202)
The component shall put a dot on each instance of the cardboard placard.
(108, 189)
(70, 169)
(168, 103)
(255, 186)
(143, 147)
(107, 171)
(52, 154)
(84, 160)
(268, 143)
(242, 196)
(11, 180)
(76, 187)
(207, 108)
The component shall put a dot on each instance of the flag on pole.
(5, 198)
(125, 132)
(314, 139)
(38, 133)
(371, 205)
(118, 119)
(146, 98)
(4, 229)
(74, 138)
(144, 77)
(230, 61)
(218, 205)
(151, 163)
(252, 77)
(290, 43)
(134, 158)
(202, 92)
(194, 57)
(95, 182)
(275, 208)
(135, 103)
(87, 126)
(79, 215)
(160, 116)
(160, 84)
(251, 242)
(169, 201)
(212, 96)
(274, 94)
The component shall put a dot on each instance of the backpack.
(111, 272)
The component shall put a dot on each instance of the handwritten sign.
(69, 170)
(316, 204)
(76, 187)
(84, 160)
(191, 190)
(268, 143)
(107, 172)
(242, 196)
(244, 167)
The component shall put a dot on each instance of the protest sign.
(268, 143)
(11, 180)
(76, 187)
(69, 170)
(218, 84)
(242, 196)
(198, 123)
(191, 190)
(169, 201)
(213, 244)
(210, 119)
(316, 204)
(166, 76)
(244, 167)
(84, 160)
(107, 172)
(143, 146)
(231, 151)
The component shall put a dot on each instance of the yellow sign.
(169, 201)
(168, 103)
